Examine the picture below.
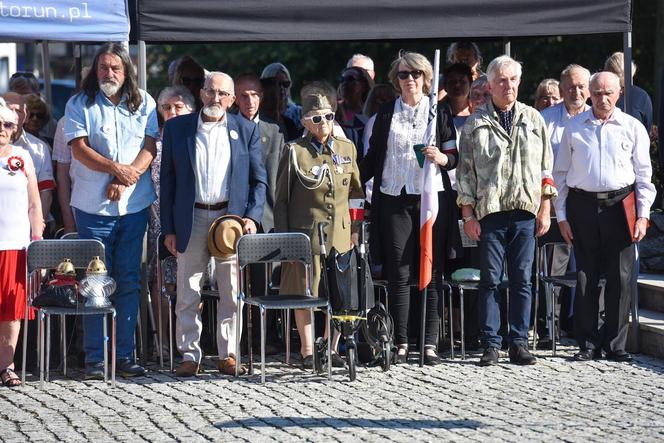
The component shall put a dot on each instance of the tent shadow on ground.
(347, 422)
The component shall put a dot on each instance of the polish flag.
(429, 197)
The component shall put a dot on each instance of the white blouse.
(407, 128)
(14, 221)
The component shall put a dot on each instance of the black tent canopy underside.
(315, 20)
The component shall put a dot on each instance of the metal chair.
(47, 254)
(270, 248)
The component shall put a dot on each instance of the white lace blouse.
(401, 168)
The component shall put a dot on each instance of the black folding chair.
(270, 248)
(46, 255)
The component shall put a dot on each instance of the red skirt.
(13, 285)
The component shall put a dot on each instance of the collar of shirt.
(319, 146)
(616, 117)
(209, 126)
(107, 101)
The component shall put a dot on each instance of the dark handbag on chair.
(57, 296)
(343, 278)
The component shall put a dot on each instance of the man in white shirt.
(603, 157)
(211, 166)
(39, 151)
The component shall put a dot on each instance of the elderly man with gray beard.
(111, 126)
(216, 160)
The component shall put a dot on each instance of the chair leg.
(160, 336)
(170, 333)
(329, 340)
(238, 313)
(262, 311)
(113, 347)
(550, 314)
(63, 336)
(105, 323)
(287, 336)
(313, 333)
(443, 331)
(463, 327)
(48, 348)
(41, 349)
(250, 345)
(451, 320)
(553, 322)
(25, 344)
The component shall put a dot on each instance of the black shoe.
(308, 363)
(588, 354)
(490, 357)
(432, 359)
(620, 356)
(520, 355)
(337, 361)
(94, 371)
(127, 368)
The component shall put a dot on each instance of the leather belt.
(211, 207)
(604, 195)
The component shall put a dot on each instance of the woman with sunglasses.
(20, 218)
(316, 178)
(392, 162)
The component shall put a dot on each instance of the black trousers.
(400, 236)
(603, 247)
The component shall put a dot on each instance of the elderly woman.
(39, 114)
(395, 214)
(20, 218)
(190, 74)
(172, 102)
(547, 94)
(479, 93)
(276, 75)
(467, 53)
(316, 178)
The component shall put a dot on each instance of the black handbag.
(343, 277)
(57, 296)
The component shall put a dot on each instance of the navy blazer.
(247, 182)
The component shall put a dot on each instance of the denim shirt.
(117, 134)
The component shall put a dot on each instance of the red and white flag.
(429, 197)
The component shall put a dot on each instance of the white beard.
(109, 88)
(213, 111)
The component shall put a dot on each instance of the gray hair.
(498, 64)
(357, 57)
(181, 92)
(567, 72)
(213, 74)
(271, 71)
(480, 83)
(595, 76)
(454, 47)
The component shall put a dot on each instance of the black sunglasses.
(403, 75)
(188, 81)
(23, 74)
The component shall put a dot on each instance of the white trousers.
(191, 266)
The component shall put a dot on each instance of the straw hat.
(223, 236)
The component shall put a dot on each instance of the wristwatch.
(468, 218)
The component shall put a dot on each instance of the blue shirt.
(118, 135)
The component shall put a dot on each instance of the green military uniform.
(314, 184)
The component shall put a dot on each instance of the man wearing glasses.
(215, 159)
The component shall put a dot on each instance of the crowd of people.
(216, 152)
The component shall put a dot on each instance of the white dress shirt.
(555, 118)
(597, 156)
(407, 128)
(213, 159)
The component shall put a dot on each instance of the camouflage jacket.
(498, 171)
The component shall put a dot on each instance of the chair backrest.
(269, 248)
(70, 236)
(47, 254)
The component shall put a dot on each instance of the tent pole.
(77, 64)
(627, 51)
(46, 68)
(142, 66)
(508, 46)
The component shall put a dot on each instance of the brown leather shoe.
(227, 366)
(187, 368)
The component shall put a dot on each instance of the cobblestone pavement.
(554, 400)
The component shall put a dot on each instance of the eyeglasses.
(38, 116)
(166, 107)
(9, 126)
(403, 75)
(348, 79)
(317, 119)
(188, 81)
(213, 93)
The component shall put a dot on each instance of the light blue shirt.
(118, 135)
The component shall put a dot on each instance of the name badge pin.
(234, 134)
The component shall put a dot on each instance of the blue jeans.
(506, 235)
(122, 237)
